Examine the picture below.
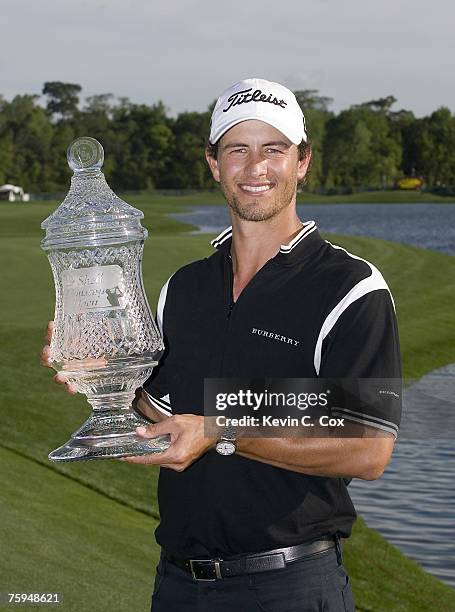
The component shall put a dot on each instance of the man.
(260, 529)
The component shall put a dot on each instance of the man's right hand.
(45, 359)
(80, 364)
(142, 403)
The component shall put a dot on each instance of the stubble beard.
(254, 211)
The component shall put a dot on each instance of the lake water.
(413, 503)
(431, 226)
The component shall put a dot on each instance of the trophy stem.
(109, 432)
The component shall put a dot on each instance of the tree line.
(368, 145)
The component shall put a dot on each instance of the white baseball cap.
(258, 99)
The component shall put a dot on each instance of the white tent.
(13, 193)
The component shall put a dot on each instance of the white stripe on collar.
(225, 235)
(308, 227)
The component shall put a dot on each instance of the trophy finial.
(84, 154)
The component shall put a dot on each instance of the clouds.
(185, 52)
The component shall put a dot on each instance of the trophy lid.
(91, 213)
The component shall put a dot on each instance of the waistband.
(279, 558)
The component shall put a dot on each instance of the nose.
(257, 166)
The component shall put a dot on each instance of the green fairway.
(202, 198)
(59, 537)
(107, 510)
(377, 197)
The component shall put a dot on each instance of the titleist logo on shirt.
(274, 336)
(244, 96)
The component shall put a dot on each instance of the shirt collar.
(297, 247)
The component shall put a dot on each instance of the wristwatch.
(226, 444)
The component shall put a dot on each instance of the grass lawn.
(201, 198)
(373, 197)
(90, 525)
(58, 536)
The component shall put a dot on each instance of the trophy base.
(109, 434)
(128, 446)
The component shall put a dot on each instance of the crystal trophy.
(105, 340)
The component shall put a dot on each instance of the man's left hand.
(187, 442)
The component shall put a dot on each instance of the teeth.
(256, 189)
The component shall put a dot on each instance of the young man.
(259, 529)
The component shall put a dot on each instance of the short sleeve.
(362, 348)
(157, 385)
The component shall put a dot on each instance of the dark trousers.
(311, 585)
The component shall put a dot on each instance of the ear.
(213, 165)
(302, 167)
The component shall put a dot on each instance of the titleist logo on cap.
(244, 96)
(280, 109)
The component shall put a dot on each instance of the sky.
(186, 52)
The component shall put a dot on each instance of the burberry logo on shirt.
(274, 336)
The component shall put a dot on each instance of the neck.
(255, 242)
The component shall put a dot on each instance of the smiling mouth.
(256, 188)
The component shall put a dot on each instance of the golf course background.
(86, 530)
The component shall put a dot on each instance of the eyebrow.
(281, 143)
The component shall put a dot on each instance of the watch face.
(225, 448)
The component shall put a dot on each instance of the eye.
(239, 150)
(273, 151)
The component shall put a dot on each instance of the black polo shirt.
(312, 310)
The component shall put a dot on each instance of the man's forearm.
(363, 458)
(357, 457)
